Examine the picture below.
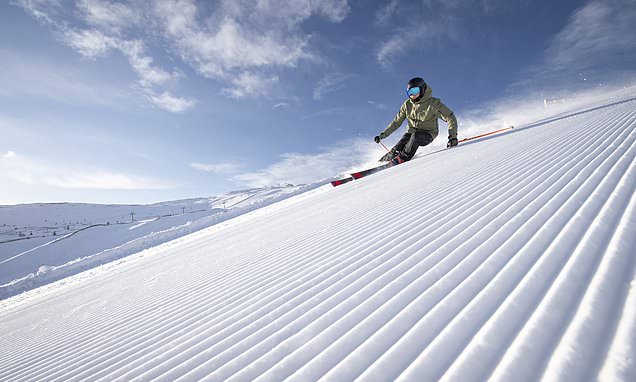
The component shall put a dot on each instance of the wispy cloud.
(169, 102)
(89, 43)
(218, 168)
(93, 44)
(244, 42)
(377, 104)
(416, 16)
(597, 38)
(35, 172)
(390, 49)
(298, 168)
(281, 105)
(142, 64)
(113, 17)
(240, 43)
(330, 83)
(429, 24)
(596, 33)
(331, 111)
(46, 11)
(385, 13)
(250, 84)
(104, 34)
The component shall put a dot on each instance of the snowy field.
(511, 257)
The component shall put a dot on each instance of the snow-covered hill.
(41, 243)
(511, 257)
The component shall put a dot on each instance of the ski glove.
(452, 142)
(377, 139)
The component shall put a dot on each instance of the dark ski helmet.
(416, 82)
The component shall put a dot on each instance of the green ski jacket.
(423, 115)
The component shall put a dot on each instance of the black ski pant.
(409, 143)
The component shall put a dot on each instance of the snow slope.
(512, 258)
(41, 243)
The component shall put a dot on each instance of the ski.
(373, 170)
(338, 182)
(361, 174)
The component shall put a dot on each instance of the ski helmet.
(416, 82)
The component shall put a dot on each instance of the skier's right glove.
(377, 139)
(452, 143)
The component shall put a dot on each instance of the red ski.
(361, 174)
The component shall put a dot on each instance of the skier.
(422, 111)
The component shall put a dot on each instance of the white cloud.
(232, 42)
(217, 168)
(89, 43)
(167, 101)
(34, 172)
(244, 42)
(93, 44)
(281, 105)
(107, 19)
(385, 13)
(142, 63)
(230, 47)
(9, 155)
(250, 85)
(111, 16)
(288, 12)
(299, 168)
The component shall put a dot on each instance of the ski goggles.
(413, 91)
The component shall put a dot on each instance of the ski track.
(509, 258)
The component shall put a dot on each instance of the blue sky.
(142, 101)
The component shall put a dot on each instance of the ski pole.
(387, 150)
(486, 134)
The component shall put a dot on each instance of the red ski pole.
(486, 134)
(387, 150)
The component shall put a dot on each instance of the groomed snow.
(42, 243)
(511, 257)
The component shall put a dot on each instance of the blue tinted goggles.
(413, 91)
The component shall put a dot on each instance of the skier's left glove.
(377, 139)
(452, 142)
